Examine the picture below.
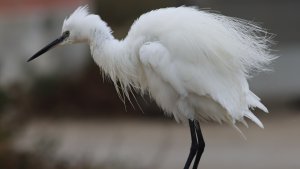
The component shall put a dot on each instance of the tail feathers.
(261, 107)
(252, 117)
(254, 101)
(240, 131)
(244, 122)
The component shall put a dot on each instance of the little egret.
(193, 63)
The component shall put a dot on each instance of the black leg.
(201, 144)
(194, 145)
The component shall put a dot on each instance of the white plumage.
(193, 63)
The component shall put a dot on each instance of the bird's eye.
(67, 33)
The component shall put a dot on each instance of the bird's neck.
(114, 57)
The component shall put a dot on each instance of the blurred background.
(57, 112)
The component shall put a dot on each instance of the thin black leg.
(194, 145)
(201, 144)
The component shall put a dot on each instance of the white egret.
(193, 63)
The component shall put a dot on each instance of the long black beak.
(50, 46)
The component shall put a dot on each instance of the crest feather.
(80, 13)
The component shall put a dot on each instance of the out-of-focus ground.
(163, 144)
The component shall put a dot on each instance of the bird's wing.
(226, 87)
(162, 80)
(155, 56)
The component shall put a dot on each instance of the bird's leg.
(194, 145)
(201, 144)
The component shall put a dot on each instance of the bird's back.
(214, 55)
(187, 28)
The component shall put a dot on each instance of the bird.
(195, 64)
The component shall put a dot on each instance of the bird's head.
(76, 29)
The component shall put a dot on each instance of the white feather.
(193, 63)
